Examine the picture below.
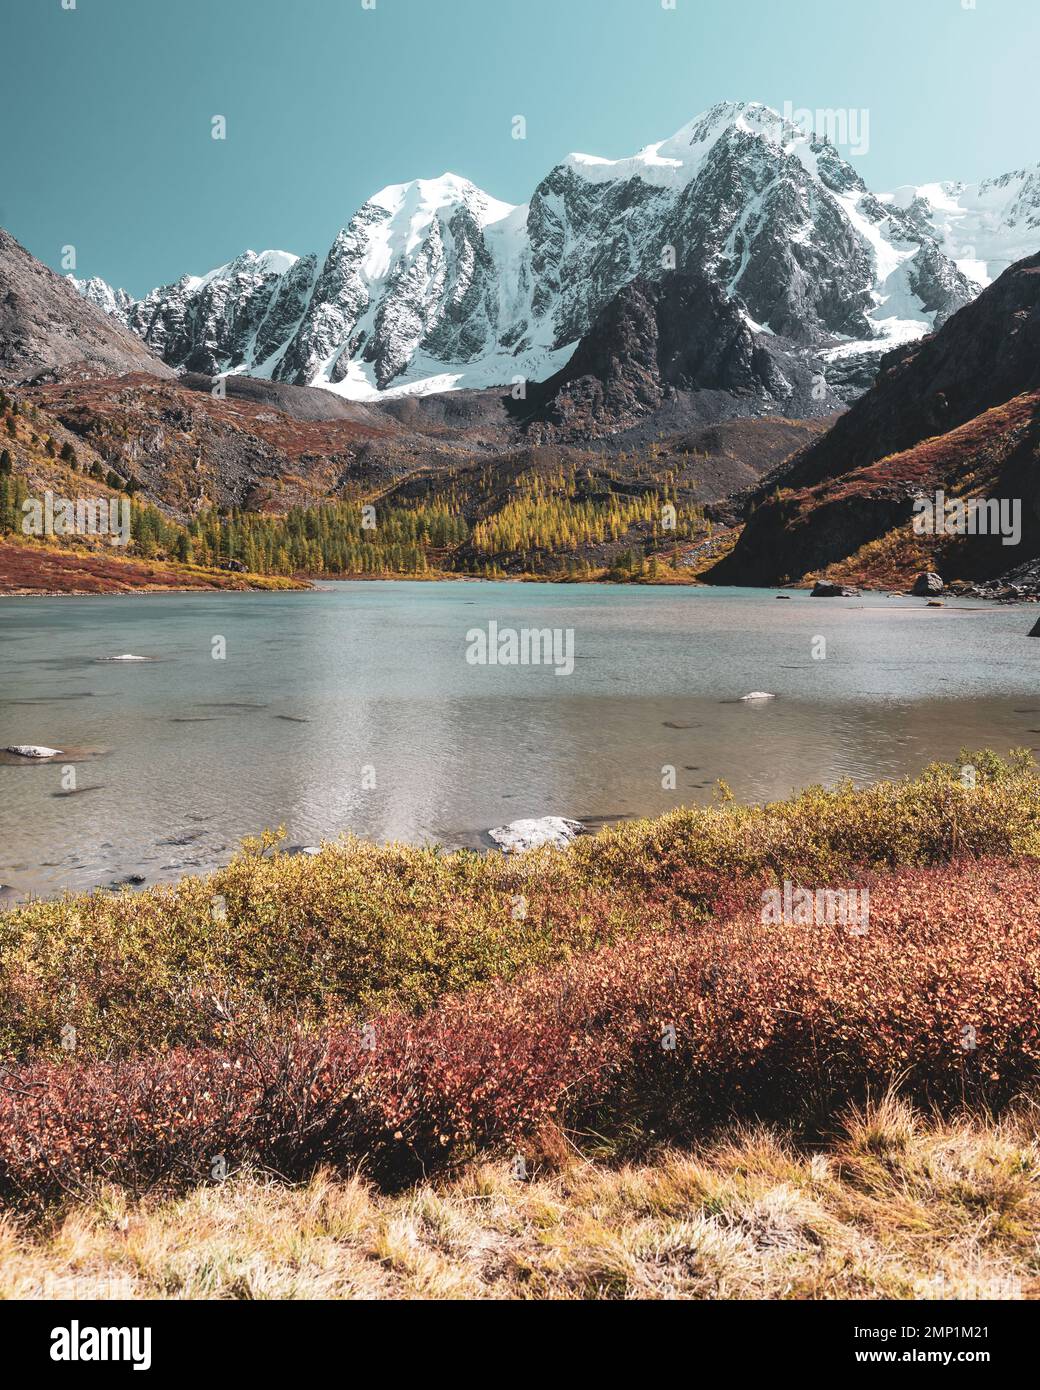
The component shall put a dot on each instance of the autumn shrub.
(940, 996)
(362, 927)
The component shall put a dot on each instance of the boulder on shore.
(927, 585)
(826, 588)
(521, 835)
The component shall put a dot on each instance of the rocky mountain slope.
(47, 329)
(664, 365)
(434, 284)
(959, 412)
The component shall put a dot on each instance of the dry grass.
(895, 1207)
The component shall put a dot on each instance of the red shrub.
(942, 992)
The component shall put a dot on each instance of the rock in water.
(1034, 631)
(826, 588)
(758, 695)
(32, 750)
(127, 656)
(521, 835)
(927, 584)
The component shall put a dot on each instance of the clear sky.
(106, 108)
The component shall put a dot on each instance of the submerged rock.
(521, 835)
(32, 750)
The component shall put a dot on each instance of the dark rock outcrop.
(677, 338)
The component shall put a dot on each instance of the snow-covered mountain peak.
(748, 117)
(678, 159)
(247, 263)
(434, 283)
(116, 303)
(424, 197)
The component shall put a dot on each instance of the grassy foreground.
(362, 928)
(893, 1206)
(397, 1072)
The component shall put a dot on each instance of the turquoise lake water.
(322, 693)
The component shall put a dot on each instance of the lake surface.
(176, 758)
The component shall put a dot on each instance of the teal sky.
(106, 108)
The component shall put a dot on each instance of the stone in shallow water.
(758, 695)
(926, 584)
(521, 835)
(32, 750)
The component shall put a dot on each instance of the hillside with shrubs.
(410, 1012)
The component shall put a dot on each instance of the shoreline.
(126, 575)
(313, 584)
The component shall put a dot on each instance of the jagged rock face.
(777, 238)
(201, 325)
(435, 284)
(681, 335)
(412, 272)
(48, 329)
(116, 303)
(288, 304)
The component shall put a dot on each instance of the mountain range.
(816, 360)
(436, 285)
